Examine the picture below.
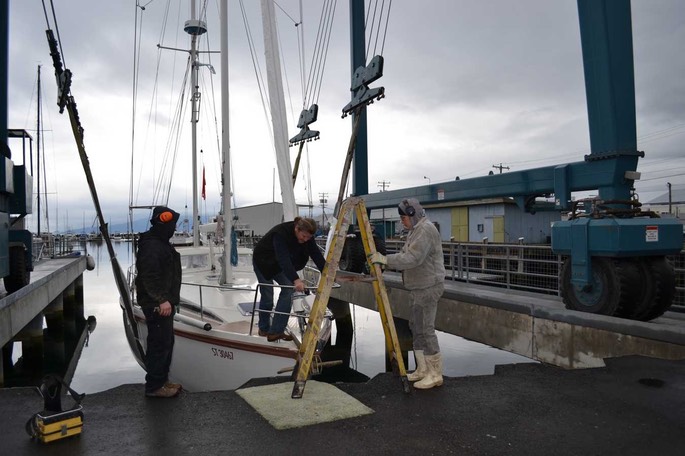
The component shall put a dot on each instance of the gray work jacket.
(421, 259)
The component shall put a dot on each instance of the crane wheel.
(609, 291)
(661, 274)
(353, 258)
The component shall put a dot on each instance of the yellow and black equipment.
(323, 292)
(53, 423)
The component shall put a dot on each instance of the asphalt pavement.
(633, 406)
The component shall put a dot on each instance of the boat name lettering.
(222, 353)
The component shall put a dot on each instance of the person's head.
(163, 221)
(410, 212)
(305, 228)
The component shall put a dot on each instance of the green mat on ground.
(320, 403)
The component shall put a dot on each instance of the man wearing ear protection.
(158, 289)
(423, 274)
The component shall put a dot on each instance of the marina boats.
(181, 238)
(217, 346)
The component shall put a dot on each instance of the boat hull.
(217, 359)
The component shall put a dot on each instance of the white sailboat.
(216, 342)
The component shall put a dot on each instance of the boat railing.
(295, 296)
(298, 309)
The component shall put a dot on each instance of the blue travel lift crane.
(615, 253)
(16, 188)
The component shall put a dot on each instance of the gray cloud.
(469, 84)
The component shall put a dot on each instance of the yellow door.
(460, 224)
(498, 228)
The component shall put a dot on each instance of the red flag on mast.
(204, 183)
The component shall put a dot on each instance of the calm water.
(107, 362)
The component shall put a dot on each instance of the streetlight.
(429, 179)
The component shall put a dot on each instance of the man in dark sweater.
(158, 288)
(283, 251)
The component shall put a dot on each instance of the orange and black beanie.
(164, 215)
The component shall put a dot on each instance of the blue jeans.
(266, 303)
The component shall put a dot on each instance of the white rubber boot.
(421, 369)
(434, 375)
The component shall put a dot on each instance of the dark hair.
(305, 224)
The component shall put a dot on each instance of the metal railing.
(533, 268)
(50, 247)
(513, 266)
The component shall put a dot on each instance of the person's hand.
(378, 258)
(165, 309)
(299, 285)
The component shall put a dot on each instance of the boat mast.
(194, 28)
(278, 112)
(227, 269)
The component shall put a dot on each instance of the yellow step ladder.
(323, 293)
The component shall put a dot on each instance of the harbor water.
(106, 360)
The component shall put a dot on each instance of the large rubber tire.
(353, 258)
(663, 278)
(19, 275)
(631, 271)
(610, 288)
(643, 299)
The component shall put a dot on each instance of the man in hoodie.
(423, 274)
(158, 288)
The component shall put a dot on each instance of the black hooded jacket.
(159, 268)
(279, 251)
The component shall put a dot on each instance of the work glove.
(378, 258)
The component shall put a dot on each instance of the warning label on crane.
(652, 233)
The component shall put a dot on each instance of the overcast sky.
(469, 85)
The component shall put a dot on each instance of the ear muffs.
(409, 209)
(165, 217)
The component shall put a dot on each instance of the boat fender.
(192, 322)
(90, 262)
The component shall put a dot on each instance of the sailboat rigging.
(66, 100)
(214, 328)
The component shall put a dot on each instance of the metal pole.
(360, 176)
(669, 197)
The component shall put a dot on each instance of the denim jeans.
(266, 303)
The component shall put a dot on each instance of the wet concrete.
(633, 406)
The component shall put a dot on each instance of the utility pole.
(383, 186)
(669, 197)
(500, 167)
(323, 199)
